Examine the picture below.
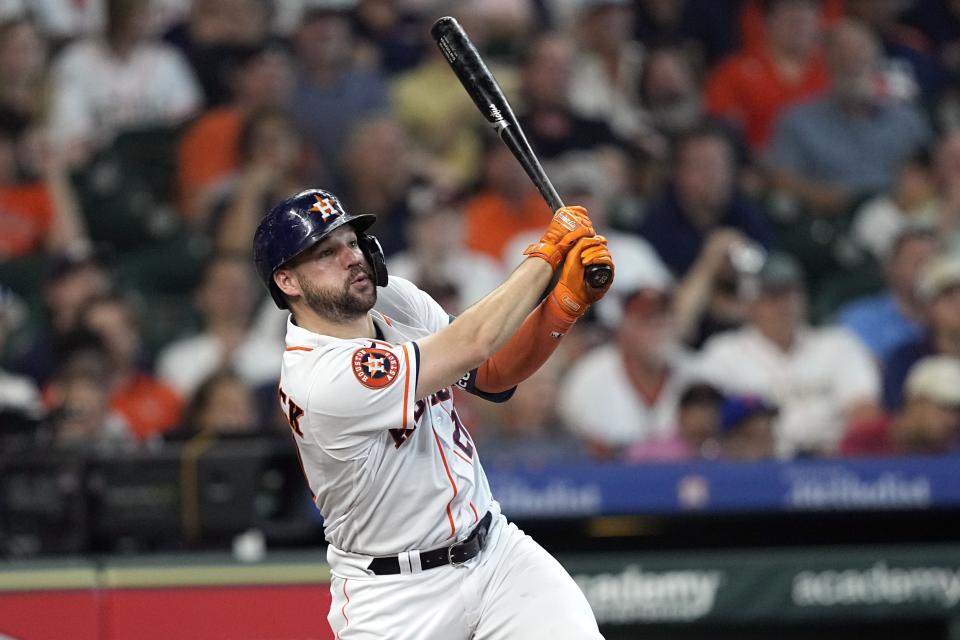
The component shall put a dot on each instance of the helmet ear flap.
(374, 252)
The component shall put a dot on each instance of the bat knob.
(598, 275)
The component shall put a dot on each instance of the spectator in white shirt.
(123, 81)
(820, 378)
(438, 259)
(230, 341)
(627, 391)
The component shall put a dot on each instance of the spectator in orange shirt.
(25, 215)
(208, 150)
(752, 87)
(506, 204)
(148, 407)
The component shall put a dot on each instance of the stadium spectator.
(896, 316)
(73, 278)
(40, 222)
(928, 423)
(754, 86)
(695, 434)
(527, 431)
(705, 300)
(913, 201)
(395, 30)
(225, 299)
(437, 258)
(334, 89)
(752, 30)
(830, 151)
(947, 173)
(80, 412)
(23, 59)
(821, 378)
(560, 136)
(221, 406)
(272, 166)
(20, 404)
(701, 199)
(670, 93)
(706, 28)
(708, 300)
(592, 186)
(747, 429)
(98, 88)
(381, 170)
(65, 20)
(439, 115)
(939, 23)
(209, 148)
(939, 291)
(148, 406)
(911, 68)
(607, 66)
(626, 391)
(215, 36)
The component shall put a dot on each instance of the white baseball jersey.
(388, 473)
(827, 372)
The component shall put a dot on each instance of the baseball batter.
(418, 548)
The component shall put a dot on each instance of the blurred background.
(755, 434)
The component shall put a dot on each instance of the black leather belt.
(455, 554)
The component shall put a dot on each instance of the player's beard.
(339, 305)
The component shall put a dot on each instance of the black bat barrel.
(483, 89)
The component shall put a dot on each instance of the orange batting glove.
(568, 225)
(572, 296)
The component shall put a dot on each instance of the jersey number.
(460, 436)
(294, 413)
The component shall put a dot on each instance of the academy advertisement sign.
(770, 586)
(880, 584)
(635, 595)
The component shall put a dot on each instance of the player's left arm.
(540, 334)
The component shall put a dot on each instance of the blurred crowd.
(779, 181)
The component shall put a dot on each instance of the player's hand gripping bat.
(483, 88)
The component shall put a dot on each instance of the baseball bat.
(482, 87)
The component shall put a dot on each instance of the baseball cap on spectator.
(779, 272)
(738, 408)
(941, 275)
(641, 279)
(936, 378)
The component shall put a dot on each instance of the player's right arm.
(487, 325)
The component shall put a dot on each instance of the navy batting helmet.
(299, 222)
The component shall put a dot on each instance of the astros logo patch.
(375, 368)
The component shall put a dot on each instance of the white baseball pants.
(512, 590)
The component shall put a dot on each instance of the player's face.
(334, 278)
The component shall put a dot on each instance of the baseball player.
(418, 548)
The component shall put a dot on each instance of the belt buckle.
(454, 563)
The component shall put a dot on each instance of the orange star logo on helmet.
(326, 207)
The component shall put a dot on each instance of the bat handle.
(596, 275)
